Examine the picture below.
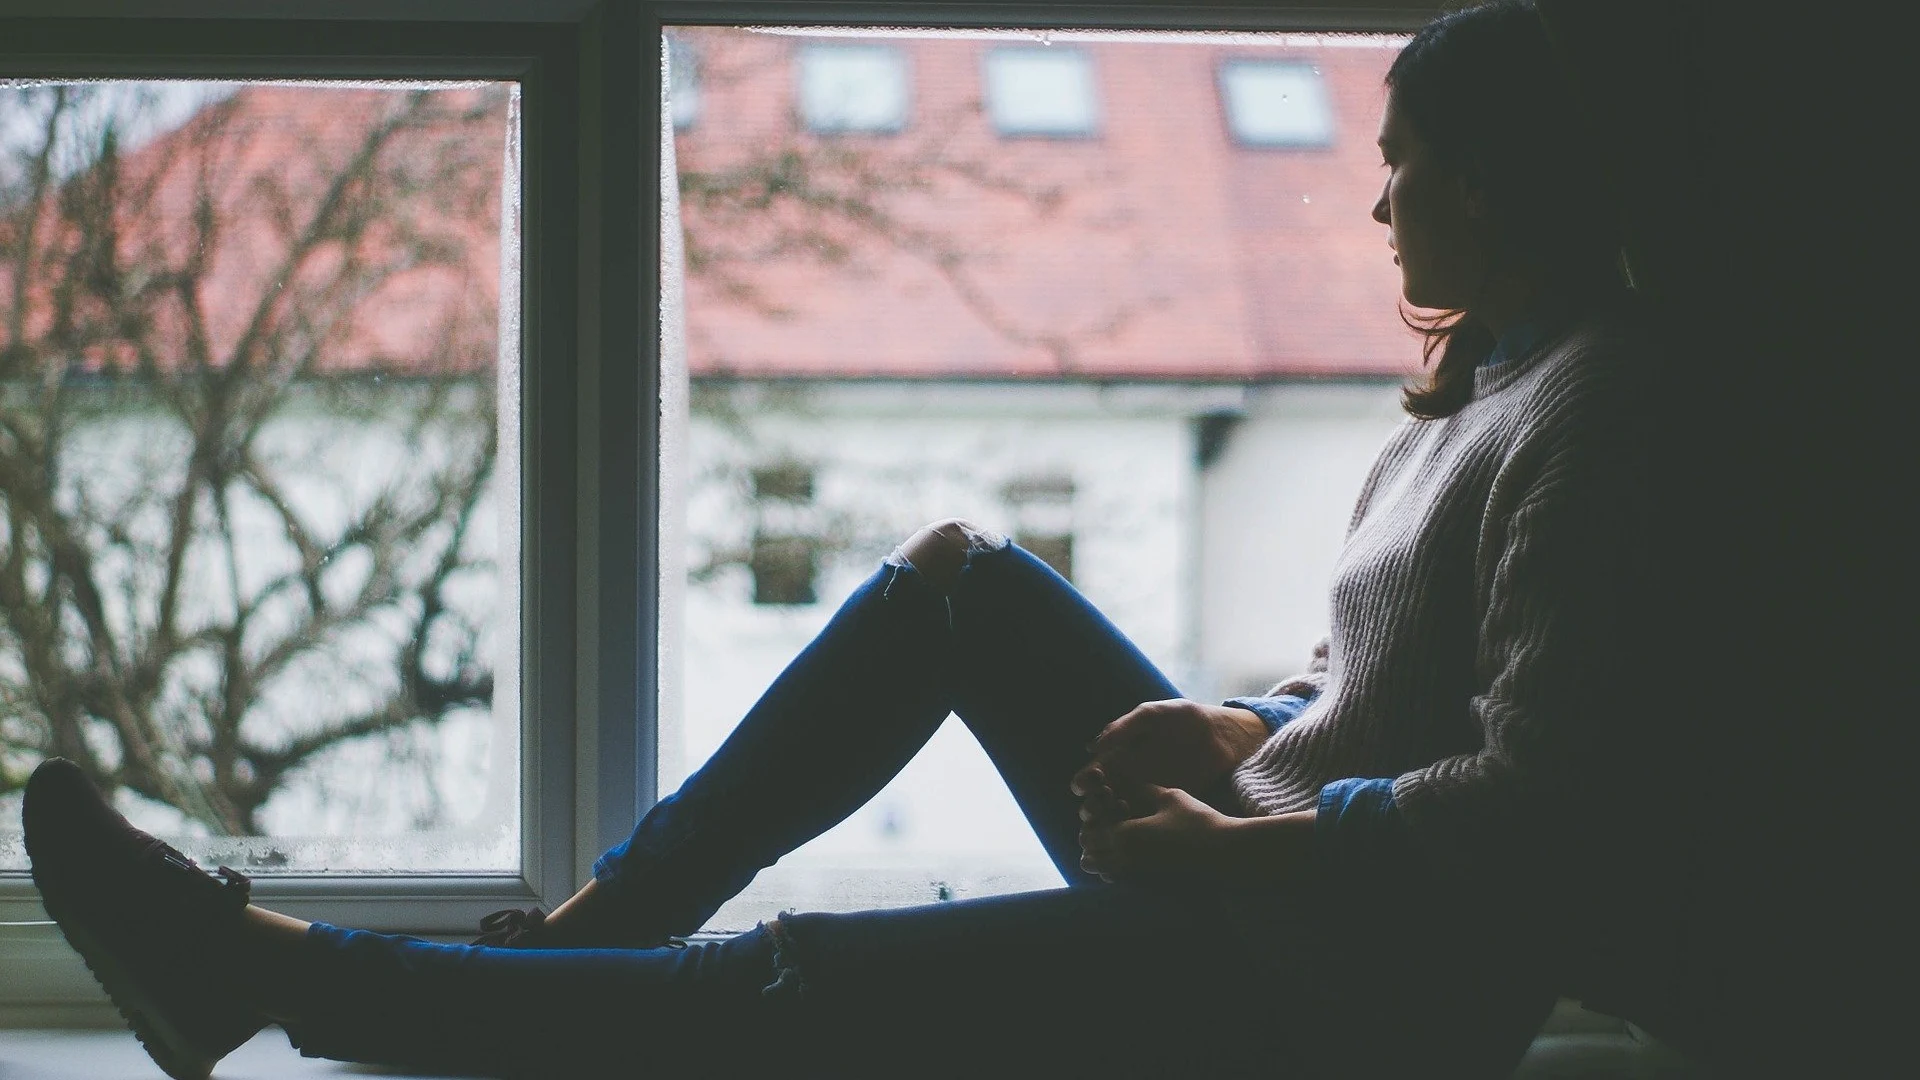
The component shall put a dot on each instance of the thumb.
(1149, 796)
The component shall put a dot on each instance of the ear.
(1473, 193)
(1473, 197)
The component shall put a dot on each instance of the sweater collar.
(1517, 349)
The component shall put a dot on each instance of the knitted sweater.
(1479, 610)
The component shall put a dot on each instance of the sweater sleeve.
(1557, 564)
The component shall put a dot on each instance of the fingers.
(1097, 853)
(1102, 805)
(1088, 780)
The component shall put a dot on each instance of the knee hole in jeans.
(939, 551)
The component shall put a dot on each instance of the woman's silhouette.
(1355, 873)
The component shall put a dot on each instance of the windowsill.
(117, 1055)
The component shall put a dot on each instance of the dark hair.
(1482, 89)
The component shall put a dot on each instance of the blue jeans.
(1118, 979)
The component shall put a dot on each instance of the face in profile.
(1427, 208)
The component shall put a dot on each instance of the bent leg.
(1038, 673)
(987, 631)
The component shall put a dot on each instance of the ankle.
(269, 950)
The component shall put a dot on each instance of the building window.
(1041, 91)
(786, 550)
(683, 86)
(1042, 511)
(1276, 103)
(853, 88)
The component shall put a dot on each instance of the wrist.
(1251, 728)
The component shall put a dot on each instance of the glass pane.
(1161, 359)
(258, 493)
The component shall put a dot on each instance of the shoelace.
(233, 886)
(505, 927)
(508, 927)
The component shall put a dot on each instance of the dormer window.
(1276, 103)
(1044, 91)
(852, 88)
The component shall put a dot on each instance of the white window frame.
(592, 145)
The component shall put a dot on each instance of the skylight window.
(1276, 103)
(1044, 91)
(853, 88)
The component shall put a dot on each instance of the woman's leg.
(988, 631)
(1119, 981)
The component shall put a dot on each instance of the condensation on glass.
(259, 465)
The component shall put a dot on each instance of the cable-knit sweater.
(1479, 610)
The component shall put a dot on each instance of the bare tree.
(842, 207)
(205, 583)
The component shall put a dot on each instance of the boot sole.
(163, 1040)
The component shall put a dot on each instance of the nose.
(1381, 212)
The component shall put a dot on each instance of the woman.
(1343, 876)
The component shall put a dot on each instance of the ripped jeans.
(1115, 979)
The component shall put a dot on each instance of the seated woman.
(1351, 874)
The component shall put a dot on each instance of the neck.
(1505, 301)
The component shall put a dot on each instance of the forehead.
(1392, 128)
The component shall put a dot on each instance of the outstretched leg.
(956, 620)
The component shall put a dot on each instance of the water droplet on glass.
(1285, 97)
(1306, 198)
(1046, 38)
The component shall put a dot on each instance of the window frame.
(591, 323)
(583, 492)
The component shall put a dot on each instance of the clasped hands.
(1140, 816)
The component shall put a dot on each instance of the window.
(1041, 91)
(369, 383)
(785, 555)
(1281, 103)
(586, 513)
(853, 88)
(683, 93)
(276, 486)
(1039, 334)
(1042, 512)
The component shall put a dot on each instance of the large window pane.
(1158, 358)
(258, 486)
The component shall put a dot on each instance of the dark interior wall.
(1751, 146)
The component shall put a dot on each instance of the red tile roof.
(415, 292)
(1172, 252)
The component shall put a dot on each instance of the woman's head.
(1493, 194)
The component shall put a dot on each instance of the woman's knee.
(941, 549)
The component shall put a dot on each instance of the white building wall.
(1219, 577)
(890, 459)
(1277, 502)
